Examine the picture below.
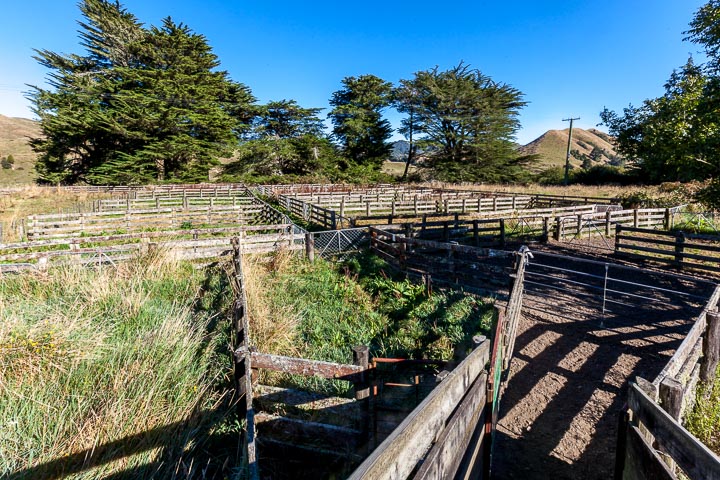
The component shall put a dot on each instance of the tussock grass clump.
(111, 370)
(704, 420)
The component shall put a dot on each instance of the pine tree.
(358, 123)
(142, 105)
(465, 121)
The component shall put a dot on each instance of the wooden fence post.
(635, 218)
(361, 357)
(608, 215)
(667, 219)
(711, 348)
(558, 229)
(310, 247)
(546, 230)
(671, 394)
(618, 229)
(679, 249)
(476, 233)
(502, 233)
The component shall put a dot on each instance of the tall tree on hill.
(359, 126)
(142, 105)
(466, 123)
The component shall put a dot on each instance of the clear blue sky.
(569, 57)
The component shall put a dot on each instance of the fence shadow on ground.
(559, 412)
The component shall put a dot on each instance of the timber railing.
(652, 443)
(187, 244)
(444, 435)
(678, 249)
(474, 269)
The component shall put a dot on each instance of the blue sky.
(569, 58)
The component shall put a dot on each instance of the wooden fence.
(681, 250)
(242, 361)
(604, 223)
(453, 414)
(652, 442)
(194, 244)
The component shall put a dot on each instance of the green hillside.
(14, 136)
(552, 148)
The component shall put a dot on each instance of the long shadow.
(583, 395)
(185, 448)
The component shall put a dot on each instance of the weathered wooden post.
(476, 233)
(667, 219)
(635, 218)
(679, 249)
(671, 394)
(361, 358)
(310, 247)
(608, 215)
(711, 348)
(558, 228)
(546, 230)
(502, 233)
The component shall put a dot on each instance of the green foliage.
(140, 106)
(466, 122)
(668, 196)
(670, 138)
(704, 421)
(357, 118)
(361, 304)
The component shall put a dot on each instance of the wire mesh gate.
(340, 244)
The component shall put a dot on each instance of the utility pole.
(410, 152)
(567, 157)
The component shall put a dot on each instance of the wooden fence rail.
(652, 441)
(449, 414)
(184, 244)
(682, 250)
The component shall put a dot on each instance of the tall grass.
(111, 370)
(319, 311)
(704, 420)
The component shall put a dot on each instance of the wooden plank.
(691, 339)
(641, 460)
(401, 451)
(303, 366)
(445, 457)
(694, 458)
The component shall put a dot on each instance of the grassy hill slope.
(14, 136)
(552, 147)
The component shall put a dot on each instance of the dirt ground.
(568, 379)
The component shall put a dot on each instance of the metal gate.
(340, 244)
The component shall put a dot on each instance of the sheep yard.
(423, 331)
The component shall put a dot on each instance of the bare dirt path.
(567, 381)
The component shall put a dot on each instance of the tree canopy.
(359, 126)
(466, 122)
(676, 136)
(141, 105)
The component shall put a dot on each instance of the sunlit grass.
(111, 370)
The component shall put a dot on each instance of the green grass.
(704, 420)
(321, 310)
(110, 371)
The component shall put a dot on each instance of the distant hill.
(14, 136)
(552, 148)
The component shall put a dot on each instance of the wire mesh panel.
(340, 244)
